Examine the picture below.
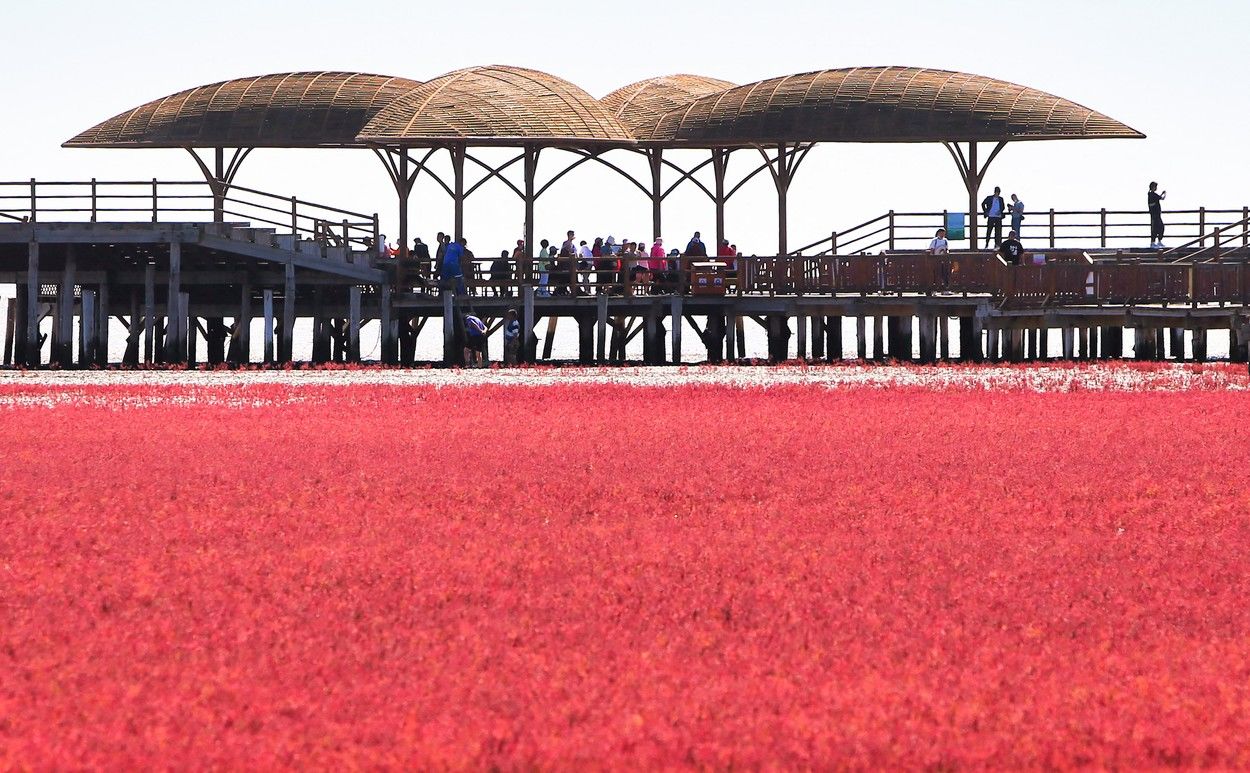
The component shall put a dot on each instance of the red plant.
(618, 577)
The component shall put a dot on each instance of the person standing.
(993, 207)
(1154, 201)
(695, 248)
(1017, 214)
(511, 337)
(544, 268)
(451, 276)
(940, 249)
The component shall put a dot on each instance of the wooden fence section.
(1066, 278)
(182, 201)
(1049, 229)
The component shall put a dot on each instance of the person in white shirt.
(941, 249)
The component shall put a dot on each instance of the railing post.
(154, 201)
(93, 200)
(377, 232)
(295, 218)
(891, 229)
(34, 202)
(346, 236)
(1102, 228)
(1052, 228)
(1245, 227)
(1202, 227)
(833, 243)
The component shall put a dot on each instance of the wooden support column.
(388, 327)
(458, 153)
(1236, 352)
(1043, 343)
(655, 161)
(833, 338)
(529, 349)
(215, 343)
(10, 331)
(861, 337)
(676, 330)
(1160, 342)
(585, 338)
(878, 339)
(818, 336)
(31, 355)
(731, 337)
(944, 337)
(63, 331)
(243, 325)
(800, 344)
(714, 337)
(134, 332)
(353, 323)
(267, 312)
(103, 316)
(149, 313)
(286, 348)
(189, 327)
(740, 333)
(928, 338)
(601, 328)
(173, 330)
(87, 340)
(1200, 344)
(1177, 343)
(449, 329)
(1069, 347)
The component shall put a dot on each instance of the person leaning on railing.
(940, 249)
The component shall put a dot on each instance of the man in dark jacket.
(994, 208)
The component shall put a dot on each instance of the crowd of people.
(604, 265)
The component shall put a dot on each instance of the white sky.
(1169, 69)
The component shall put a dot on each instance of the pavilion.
(406, 122)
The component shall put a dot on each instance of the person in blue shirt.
(452, 274)
(994, 208)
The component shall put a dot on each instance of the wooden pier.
(186, 293)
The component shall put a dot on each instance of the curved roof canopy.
(641, 104)
(879, 104)
(496, 105)
(285, 110)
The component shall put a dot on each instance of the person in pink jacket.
(657, 261)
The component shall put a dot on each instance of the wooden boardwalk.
(187, 292)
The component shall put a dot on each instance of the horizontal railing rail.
(184, 201)
(1052, 228)
(1055, 279)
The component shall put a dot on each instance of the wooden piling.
(353, 323)
(529, 349)
(389, 327)
(286, 340)
(449, 328)
(861, 338)
(267, 312)
(601, 329)
(63, 330)
(87, 336)
(878, 338)
(585, 339)
(31, 355)
(149, 313)
(833, 338)
(1177, 343)
(173, 327)
(676, 314)
(10, 331)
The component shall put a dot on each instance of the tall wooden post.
(720, 164)
(287, 341)
(63, 338)
(389, 329)
(458, 153)
(102, 327)
(530, 163)
(655, 159)
(173, 330)
(353, 323)
(31, 354)
(529, 343)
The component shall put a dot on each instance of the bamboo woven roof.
(286, 110)
(499, 105)
(641, 104)
(496, 105)
(879, 104)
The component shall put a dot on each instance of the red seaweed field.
(368, 573)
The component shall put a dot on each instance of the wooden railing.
(1065, 278)
(1051, 229)
(181, 201)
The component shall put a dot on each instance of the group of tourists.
(604, 265)
(1011, 249)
